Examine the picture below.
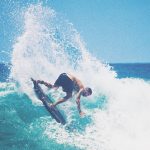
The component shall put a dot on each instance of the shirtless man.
(69, 84)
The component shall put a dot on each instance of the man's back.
(77, 83)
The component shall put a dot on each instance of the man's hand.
(82, 114)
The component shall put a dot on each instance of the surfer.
(69, 84)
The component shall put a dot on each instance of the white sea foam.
(6, 89)
(49, 46)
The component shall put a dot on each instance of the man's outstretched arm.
(78, 103)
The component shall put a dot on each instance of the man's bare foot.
(51, 105)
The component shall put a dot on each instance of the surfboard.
(54, 112)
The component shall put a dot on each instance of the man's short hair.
(89, 90)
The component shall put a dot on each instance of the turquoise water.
(27, 125)
(23, 124)
(133, 70)
(47, 46)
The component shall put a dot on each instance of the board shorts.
(65, 82)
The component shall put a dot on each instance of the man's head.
(86, 92)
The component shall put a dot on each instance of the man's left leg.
(69, 95)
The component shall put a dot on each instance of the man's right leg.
(45, 83)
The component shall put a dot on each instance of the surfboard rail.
(54, 112)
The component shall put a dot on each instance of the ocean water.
(132, 70)
(117, 113)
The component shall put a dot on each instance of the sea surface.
(132, 70)
(25, 125)
(123, 70)
(116, 115)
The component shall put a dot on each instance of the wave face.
(116, 114)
